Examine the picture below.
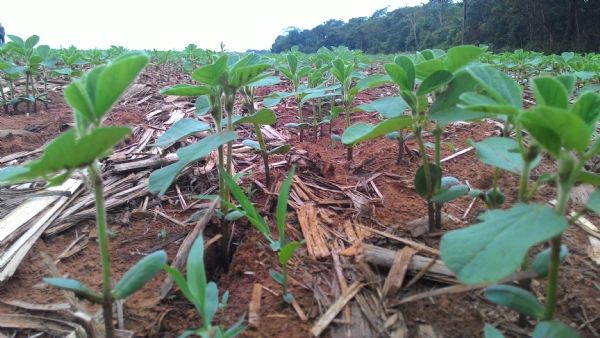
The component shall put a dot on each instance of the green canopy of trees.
(543, 25)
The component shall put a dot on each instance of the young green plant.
(91, 98)
(203, 295)
(564, 131)
(285, 250)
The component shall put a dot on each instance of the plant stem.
(564, 189)
(96, 181)
(427, 172)
(264, 153)
(438, 162)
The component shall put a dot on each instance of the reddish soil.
(459, 315)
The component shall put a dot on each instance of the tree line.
(542, 25)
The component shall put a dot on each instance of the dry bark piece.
(307, 217)
(333, 311)
(420, 226)
(254, 306)
(427, 331)
(395, 277)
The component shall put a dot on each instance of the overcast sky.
(147, 24)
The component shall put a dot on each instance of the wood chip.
(307, 217)
(12, 257)
(414, 244)
(333, 311)
(427, 331)
(464, 151)
(593, 250)
(254, 306)
(395, 277)
(384, 257)
(420, 226)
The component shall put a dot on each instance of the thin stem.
(96, 181)
(264, 153)
(564, 188)
(438, 162)
(427, 172)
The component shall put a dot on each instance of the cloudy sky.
(147, 24)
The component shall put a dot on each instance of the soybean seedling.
(257, 118)
(220, 82)
(204, 295)
(564, 131)
(285, 249)
(91, 98)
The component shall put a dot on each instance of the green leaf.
(515, 298)
(554, 127)
(550, 92)
(494, 248)
(115, 78)
(77, 97)
(265, 82)
(434, 81)
(211, 303)
(388, 106)
(554, 329)
(541, 261)
(140, 274)
(420, 182)
(180, 130)
(498, 85)
(202, 105)
(503, 153)
(76, 287)
(182, 284)
(593, 203)
(287, 252)
(251, 213)
(409, 68)
(426, 68)
(292, 63)
(280, 150)
(161, 179)
(32, 41)
(278, 277)
(484, 104)
(236, 329)
(282, 204)
(68, 153)
(252, 144)
(242, 76)
(186, 90)
(274, 98)
(444, 109)
(568, 81)
(583, 177)
(373, 81)
(491, 332)
(587, 107)
(449, 194)
(459, 56)
(264, 116)
(211, 74)
(360, 132)
(398, 75)
(196, 273)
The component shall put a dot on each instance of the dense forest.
(543, 25)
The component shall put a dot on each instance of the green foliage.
(203, 294)
(515, 298)
(161, 179)
(494, 248)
